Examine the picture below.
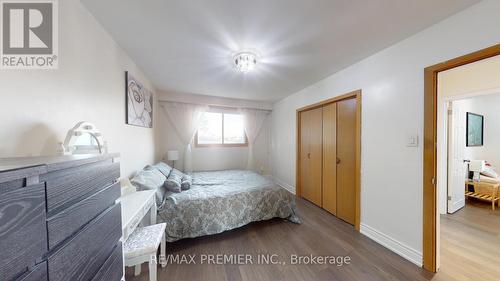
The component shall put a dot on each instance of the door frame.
(430, 204)
(352, 95)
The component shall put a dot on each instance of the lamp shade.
(477, 166)
(173, 155)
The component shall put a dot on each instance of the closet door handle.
(308, 155)
(338, 160)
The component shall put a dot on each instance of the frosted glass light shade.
(245, 61)
(173, 155)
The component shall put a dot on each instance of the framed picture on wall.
(139, 104)
(475, 129)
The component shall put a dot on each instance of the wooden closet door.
(330, 158)
(311, 155)
(346, 162)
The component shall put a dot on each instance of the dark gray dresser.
(59, 220)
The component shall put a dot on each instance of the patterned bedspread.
(224, 200)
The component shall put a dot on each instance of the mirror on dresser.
(83, 138)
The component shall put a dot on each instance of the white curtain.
(253, 121)
(186, 120)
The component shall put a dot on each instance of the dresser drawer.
(81, 257)
(39, 273)
(112, 269)
(23, 234)
(69, 221)
(66, 187)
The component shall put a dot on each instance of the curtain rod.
(217, 105)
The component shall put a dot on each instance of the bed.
(224, 200)
(487, 190)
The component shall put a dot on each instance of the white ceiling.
(185, 46)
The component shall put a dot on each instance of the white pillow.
(489, 172)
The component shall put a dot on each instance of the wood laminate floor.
(470, 250)
(470, 243)
(319, 234)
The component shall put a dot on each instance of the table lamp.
(477, 166)
(173, 155)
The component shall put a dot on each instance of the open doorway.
(445, 136)
(468, 185)
(468, 132)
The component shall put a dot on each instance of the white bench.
(142, 244)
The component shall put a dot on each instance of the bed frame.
(483, 191)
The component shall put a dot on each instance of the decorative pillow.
(150, 179)
(186, 182)
(164, 168)
(172, 185)
(174, 181)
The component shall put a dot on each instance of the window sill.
(222, 145)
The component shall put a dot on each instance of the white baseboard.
(283, 184)
(392, 244)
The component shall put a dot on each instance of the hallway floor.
(470, 243)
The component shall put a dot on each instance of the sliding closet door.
(346, 160)
(330, 158)
(311, 156)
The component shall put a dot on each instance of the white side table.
(135, 206)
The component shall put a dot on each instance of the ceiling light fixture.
(245, 61)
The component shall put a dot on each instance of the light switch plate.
(412, 141)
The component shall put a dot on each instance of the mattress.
(224, 200)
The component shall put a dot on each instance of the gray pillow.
(164, 168)
(150, 179)
(186, 182)
(177, 174)
(174, 180)
(172, 185)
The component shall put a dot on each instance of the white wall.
(489, 107)
(213, 158)
(393, 104)
(40, 106)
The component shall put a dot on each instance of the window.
(221, 129)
